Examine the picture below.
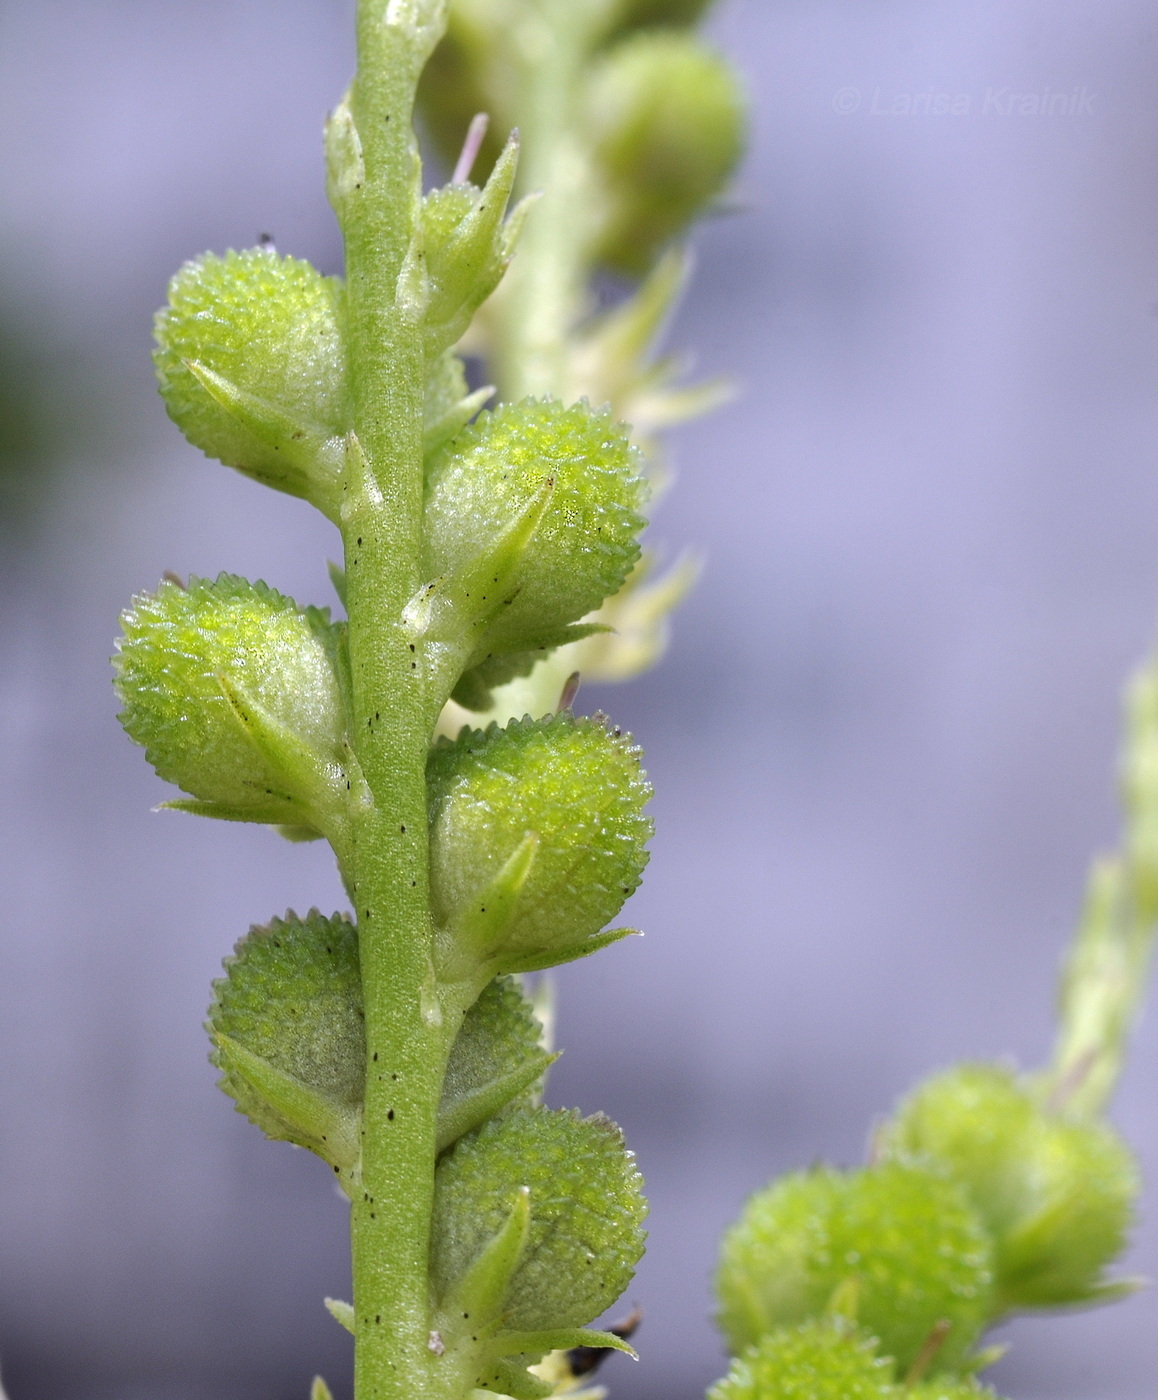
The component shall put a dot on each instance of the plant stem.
(382, 528)
(545, 284)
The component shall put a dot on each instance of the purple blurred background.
(883, 740)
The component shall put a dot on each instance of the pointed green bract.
(586, 1213)
(815, 1361)
(292, 998)
(586, 542)
(186, 657)
(1057, 1194)
(267, 330)
(668, 119)
(574, 784)
(906, 1235)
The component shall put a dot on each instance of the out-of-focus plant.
(482, 830)
(988, 1192)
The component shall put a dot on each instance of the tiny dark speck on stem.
(390, 1115)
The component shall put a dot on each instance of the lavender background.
(883, 741)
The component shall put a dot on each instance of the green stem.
(544, 291)
(382, 529)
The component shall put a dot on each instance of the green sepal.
(342, 1313)
(496, 1059)
(308, 459)
(510, 1378)
(310, 1119)
(557, 957)
(448, 405)
(563, 1339)
(451, 615)
(572, 474)
(289, 1036)
(575, 784)
(467, 249)
(481, 926)
(319, 1390)
(586, 1211)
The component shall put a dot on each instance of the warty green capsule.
(537, 836)
(236, 695)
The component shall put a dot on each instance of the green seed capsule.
(585, 1235)
(233, 692)
(905, 1236)
(1057, 1194)
(668, 120)
(815, 1361)
(572, 478)
(537, 836)
(289, 1033)
(251, 365)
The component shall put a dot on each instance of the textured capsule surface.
(905, 1236)
(586, 1214)
(292, 995)
(179, 643)
(574, 784)
(585, 543)
(269, 325)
